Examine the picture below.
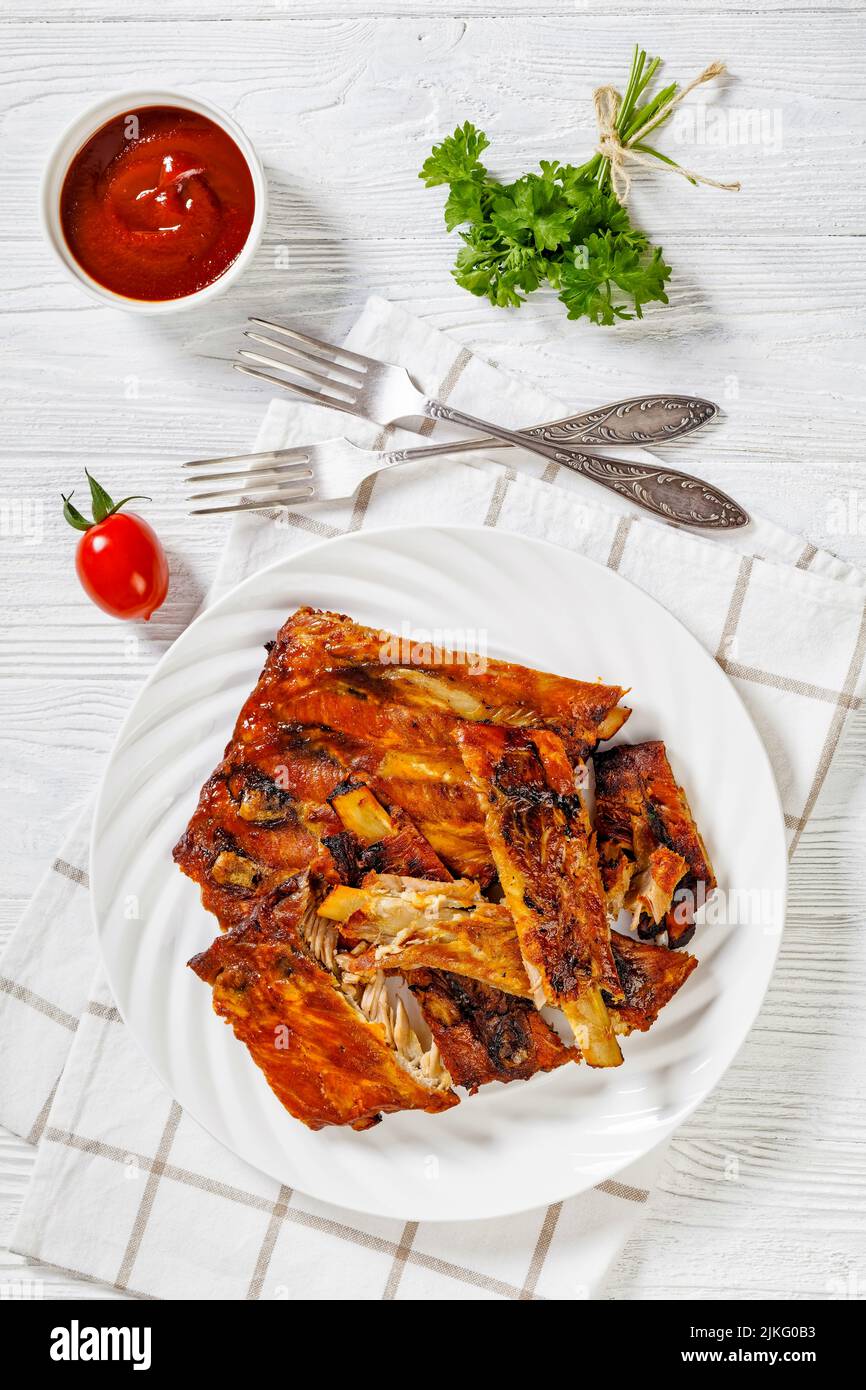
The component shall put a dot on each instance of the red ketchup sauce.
(157, 204)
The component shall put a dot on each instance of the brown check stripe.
(410, 1230)
(539, 1254)
(35, 1001)
(617, 549)
(497, 501)
(280, 1212)
(70, 871)
(844, 700)
(834, 733)
(155, 1170)
(160, 1168)
(806, 557)
(38, 1128)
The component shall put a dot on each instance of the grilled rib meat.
(333, 1053)
(409, 925)
(413, 693)
(375, 839)
(270, 811)
(544, 849)
(261, 818)
(650, 976)
(645, 826)
(340, 711)
(482, 1034)
(403, 923)
(346, 853)
(333, 697)
(486, 1034)
(329, 701)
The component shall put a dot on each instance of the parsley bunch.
(562, 226)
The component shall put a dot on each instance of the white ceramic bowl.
(79, 132)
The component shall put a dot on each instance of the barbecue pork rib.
(483, 1034)
(333, 1053)
(544, 850)
(650, 849)
(650, 976)
(376, 838)
(408, 925)
(412, 693)
(359, 835)
(388, 706)
(345, 743)
(262, 817)
(334, 698)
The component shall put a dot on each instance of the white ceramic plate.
(511, 1147)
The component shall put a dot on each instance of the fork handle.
(665, 492)
(637, 420)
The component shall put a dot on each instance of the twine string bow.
(622, 154)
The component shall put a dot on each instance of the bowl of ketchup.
(154, 201)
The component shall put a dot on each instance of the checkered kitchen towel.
(127, 1188)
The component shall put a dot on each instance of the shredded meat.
(408, 925)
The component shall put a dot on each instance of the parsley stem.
(637, 63)
(628, 119)
(647, 112)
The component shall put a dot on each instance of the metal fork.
(379, 391)
(328, 472)
(652, 419)
(644, 419)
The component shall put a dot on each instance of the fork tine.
(300, 371)
(315, 343)
(308, 490)
(287, 474)
(356, 378)
(256, 506)
(292, 386)
(269, 456)
(301, 363)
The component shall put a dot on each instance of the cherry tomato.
(119, 560)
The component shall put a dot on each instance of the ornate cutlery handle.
(665, 492)
(639, 420)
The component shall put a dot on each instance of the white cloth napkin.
(128, 1189)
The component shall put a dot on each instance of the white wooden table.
(767, 315)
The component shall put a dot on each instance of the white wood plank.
(346, 110)
(87, 11)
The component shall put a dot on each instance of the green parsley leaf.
(457, 157)
(464, 204)
(533, 212)
(591, 276)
